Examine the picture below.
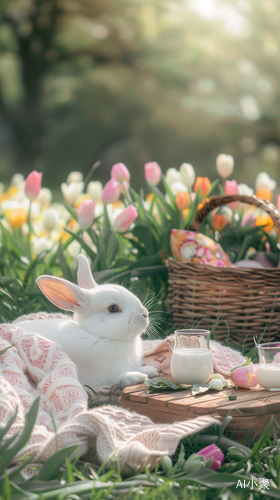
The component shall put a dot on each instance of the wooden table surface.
(251, 410)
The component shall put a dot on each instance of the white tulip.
(177, 187)
(10, 204)
(187, 174)
(225, 165)
(263, 180)
(72, 191)
(17, 180)
(50, 219)
(245, 190)
(74, 249)
(44, 197)
(35, 210)
(172, 175)
(62, 211)
(74, 177)
(40, 245)
(95, 189)
(99, 210)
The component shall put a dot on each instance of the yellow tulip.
(16, 216)
(266, 221)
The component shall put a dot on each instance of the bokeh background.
(134, 81)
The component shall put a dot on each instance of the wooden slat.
(253, 407)
(209, 403)
(163, 399)
(126, 392)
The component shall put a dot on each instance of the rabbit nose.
(145, 315)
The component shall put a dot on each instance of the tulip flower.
(178, 187)
(172, 175)
(182, 200)
(245, 190)
(111, 191)
(213, 451)
(72, 191)
(95, 189)
(264, 193)
(153, 172)
(204, 184)
(33, 185)
(231, 187)
(245, 376)
(16, 216)
(74, 177)
(187, 174)
(263, 180)
(45, 197)
(86, 213)
(249, 218)
(218, 222)
(17, 180)
(41, 245)
(225, 165)
(50, 218)
(120, 173)
(265, 221)
(124, 220)
(278, 202)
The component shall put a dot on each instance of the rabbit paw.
(150, 371)
(132, 378)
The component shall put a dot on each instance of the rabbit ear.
(85, 279)
(62, 293)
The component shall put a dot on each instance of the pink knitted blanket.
(35, 366)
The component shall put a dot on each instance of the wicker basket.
(248, 299)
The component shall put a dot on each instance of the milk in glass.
(268, 376)
(191, 365)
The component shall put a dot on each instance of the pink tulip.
(249, 218)
(33, 185)
(86, 213)
(245, 376)
(125, 218)
(152, 172)
(213, 451)
(111, 191)
(120, 173)
(231, 187)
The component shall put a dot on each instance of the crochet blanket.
(35, 366)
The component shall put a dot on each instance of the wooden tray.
(251, 411)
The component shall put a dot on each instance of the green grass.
(62, 479)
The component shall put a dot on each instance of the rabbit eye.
(114, 308)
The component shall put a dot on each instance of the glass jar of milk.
(268, 375)
(191, 360)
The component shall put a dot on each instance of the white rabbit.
(103, 338)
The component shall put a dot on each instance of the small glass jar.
(191, 360)
(268, 375)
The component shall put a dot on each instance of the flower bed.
(126, 235)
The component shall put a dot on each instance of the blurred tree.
(139, 80)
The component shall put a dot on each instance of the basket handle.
(218, 201)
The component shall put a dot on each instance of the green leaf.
(232, 398)
(50, 468)
(63, 264)
(10, 453)
(86, 247)
(158, 384)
